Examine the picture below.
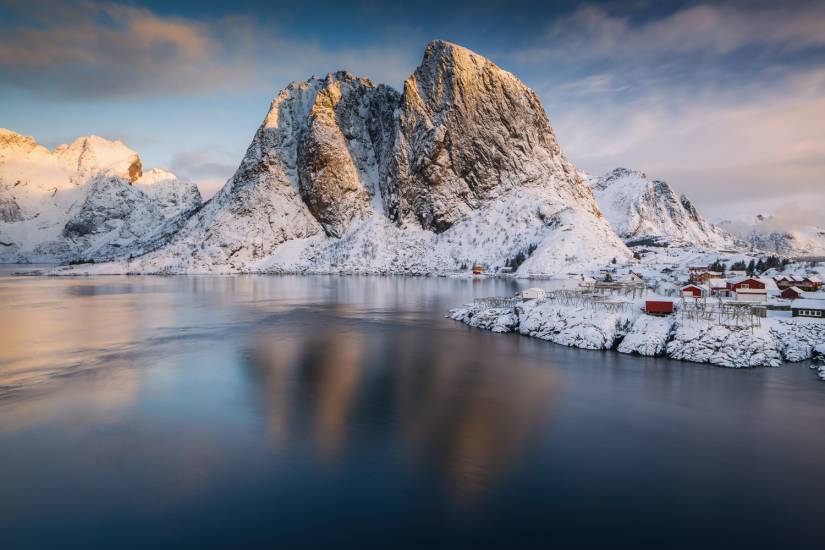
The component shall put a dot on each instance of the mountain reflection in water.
(468, 420)
(257, 411)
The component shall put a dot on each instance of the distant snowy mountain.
(346, 176)
(89, 200)
(644, 211)
(766, 233)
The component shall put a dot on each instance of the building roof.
(808, 304)
(813, 295)
(751, 290)
(717, 283)
(797, 278)
(769, 283)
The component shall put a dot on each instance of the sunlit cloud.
(100, 50)
(716, 99)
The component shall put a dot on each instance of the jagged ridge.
(341, 168)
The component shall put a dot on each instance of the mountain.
(767, 233)
(89, 200)
(648, 212)
(347, 176)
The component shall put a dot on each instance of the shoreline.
(630, 331)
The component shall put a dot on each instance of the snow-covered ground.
(629, 330)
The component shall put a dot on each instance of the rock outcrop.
(470, 132)
(347, 176)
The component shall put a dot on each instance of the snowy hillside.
(86, 200)
(765, 233)
(644, 211)
(346, 176)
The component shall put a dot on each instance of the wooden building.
(805, 283)
(808, 308)
(659, 307)
(694, 291)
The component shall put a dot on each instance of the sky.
(724, 100)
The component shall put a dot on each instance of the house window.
(745, 285)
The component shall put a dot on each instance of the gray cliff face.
(334, 151)
(311, 169)
(341, 149)
(9, 209)
(112, 203)
(343, 174)
(469, 131)
(118, 219)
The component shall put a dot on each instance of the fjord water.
(285, 411)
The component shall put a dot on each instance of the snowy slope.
(86, 200)
(765, 233)
(346, 176)
(643, 210)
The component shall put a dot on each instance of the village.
(711, 313)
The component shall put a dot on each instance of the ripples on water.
(246, 411)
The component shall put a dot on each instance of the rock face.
(469, 132)
(89, 200)
(346, 176)
(338, 156)
(645, 211)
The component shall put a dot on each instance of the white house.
(751, 295)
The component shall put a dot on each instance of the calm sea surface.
(253, 411)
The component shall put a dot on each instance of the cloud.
(593, 32)
(717, 99)
(209, 167)
(85, 50)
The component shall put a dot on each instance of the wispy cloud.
(717, 99)
(83, 49)
(594, 32)
(209, 166)
(721, 99)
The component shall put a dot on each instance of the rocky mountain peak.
(13, 144)
(463, 166)
(91, 155)
(468, 132)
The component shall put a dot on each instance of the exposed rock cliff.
(345, 176)
(470, 132)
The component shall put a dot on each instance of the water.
(310, 411)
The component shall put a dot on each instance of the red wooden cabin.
(658, 307)
(695, 291)
(745, 282)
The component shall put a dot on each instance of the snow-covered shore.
(629, 330)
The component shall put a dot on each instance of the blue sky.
(725, 100)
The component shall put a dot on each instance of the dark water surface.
(254, 411)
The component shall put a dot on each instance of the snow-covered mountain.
(764, 232)
(644, 211)
(346, 176)
(89, 200)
